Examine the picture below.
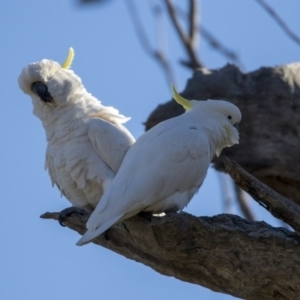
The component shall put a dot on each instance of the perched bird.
(166, 166)
(86, 140)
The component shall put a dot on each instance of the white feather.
(167, 165)
(86, 140)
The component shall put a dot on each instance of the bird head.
(228, 116)
(48, 83)
(220, 117)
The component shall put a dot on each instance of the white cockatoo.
(166, 166)
(86, 140)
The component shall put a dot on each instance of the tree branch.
(218, 46)
(279, 21)
(213, 41)
(227, 198)
(225, 253)
(241, 199)
(157, 54)
(193, 23)
(280, 207)
(186, 40)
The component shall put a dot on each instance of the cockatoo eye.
(229, 117)
(41, 90)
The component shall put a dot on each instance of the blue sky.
(39, 259)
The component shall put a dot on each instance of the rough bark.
(280, 207)
(269, 99)
(224, 253)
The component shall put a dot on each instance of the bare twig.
(194, 23)
(241, 199)
(279, 206)
(214, 42)
(217, 45)
(225, 192)
(279, 21)
(186, 40)
(231, 191)
(158, 54)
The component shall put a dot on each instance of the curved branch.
(279, 21)
(225, 253)
(156, 54)
(187, 41)
(218, 46)
(280, 207)
(210, 38)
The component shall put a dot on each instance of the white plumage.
(167, 165)
(86, 140)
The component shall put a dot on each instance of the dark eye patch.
(229, 117)
(42, 91)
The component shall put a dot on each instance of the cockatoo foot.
(68, 212)
(145, 214)
(106, 235)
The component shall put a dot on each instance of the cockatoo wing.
(110, 141)
(152, 170)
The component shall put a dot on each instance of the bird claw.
(68, 212)
(146, 215)
(106, 235)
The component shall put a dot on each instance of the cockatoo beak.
(69, 60)
(237, 126)
(41, 90)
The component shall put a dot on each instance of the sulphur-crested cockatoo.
(167, 165)
(86, 140)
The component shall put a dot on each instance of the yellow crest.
(69, 60)
(180, 100)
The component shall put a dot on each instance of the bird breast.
(75, 168)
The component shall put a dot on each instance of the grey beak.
(42, 91)
(237, 126)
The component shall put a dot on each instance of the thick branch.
(225, 253)
(269, 99)
(280, 207)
